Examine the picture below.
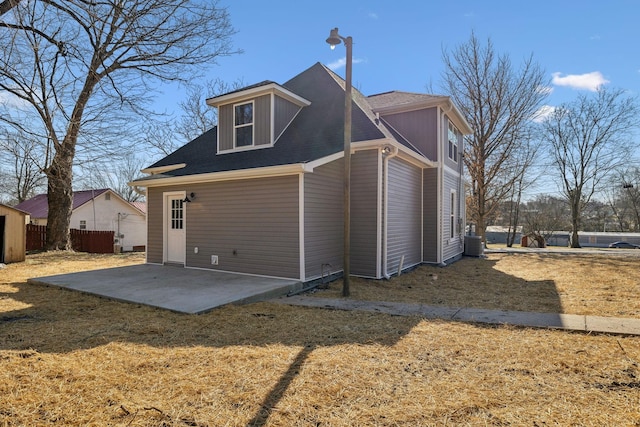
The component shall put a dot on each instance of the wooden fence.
(95, 242)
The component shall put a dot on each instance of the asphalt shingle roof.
(316, 132)
(399, 98)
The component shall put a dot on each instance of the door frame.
(165, 224)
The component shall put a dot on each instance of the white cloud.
(545, 90)
(11, 101)
(342, 62)
(372, 15)
(589, 81)
(542, 113)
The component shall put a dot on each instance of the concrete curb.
(569, 322)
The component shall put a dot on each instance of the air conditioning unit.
(473, 246)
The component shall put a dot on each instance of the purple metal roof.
(141, 206)
(38, 206)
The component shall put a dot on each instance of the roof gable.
(38, 206)
(316, 132)
(254, 91)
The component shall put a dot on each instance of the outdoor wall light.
(187, 199)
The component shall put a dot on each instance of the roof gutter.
(268, 171)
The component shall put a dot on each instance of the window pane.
(244, 136)
(176, 214)
(244, 114)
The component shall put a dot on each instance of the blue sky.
(398, 45)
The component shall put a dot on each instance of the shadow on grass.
(60, 321)
(469, 283)
(54, 320)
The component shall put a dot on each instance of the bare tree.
(116, 174)
(545, 215)
(166, 136)
(7, 5)
(523, 158)
(499, 101)
(79, 70)
(21, 174)
(622, 194)
(589, 138)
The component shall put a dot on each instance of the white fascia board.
(463, 125)
(412, 106)
(268, 171)
(163, 169)
(271, 88)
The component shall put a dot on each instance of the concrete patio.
(183, 290)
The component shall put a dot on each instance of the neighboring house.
(262, 192)
(13, 235)
(101, 209)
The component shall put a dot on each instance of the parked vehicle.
(624, 245)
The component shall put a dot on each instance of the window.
(177, 216)
(453, 137)
(107, 196)
(243, 124)
(453, 214)
(83, 224)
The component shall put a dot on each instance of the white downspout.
(439, 144)
(441, 161)
(385, 188)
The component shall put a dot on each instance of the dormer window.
(255, 117)
(243, 124)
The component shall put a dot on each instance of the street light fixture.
(333, 40)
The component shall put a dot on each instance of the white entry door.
(175, 243)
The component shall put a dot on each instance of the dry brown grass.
(589, 284)
(73, 359)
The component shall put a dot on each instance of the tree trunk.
(60, 198)
(575, 225)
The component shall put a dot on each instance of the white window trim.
(452, 214)
(456, 144)
(252, 124)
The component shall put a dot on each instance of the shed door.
(176, 237)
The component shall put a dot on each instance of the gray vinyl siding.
(225, 127)
(430, 218)
(364, 213)
(262, 120)
(154, 225)
(323, 219)
(261, 123)
(420, 127)
(404, 210)
(251, 225)
(284, 112)
(451, 246)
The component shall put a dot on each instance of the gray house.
(261, 193)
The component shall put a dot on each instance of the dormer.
(254, 117)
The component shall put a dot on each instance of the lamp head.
(334, 38)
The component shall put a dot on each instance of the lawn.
(73, 359)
